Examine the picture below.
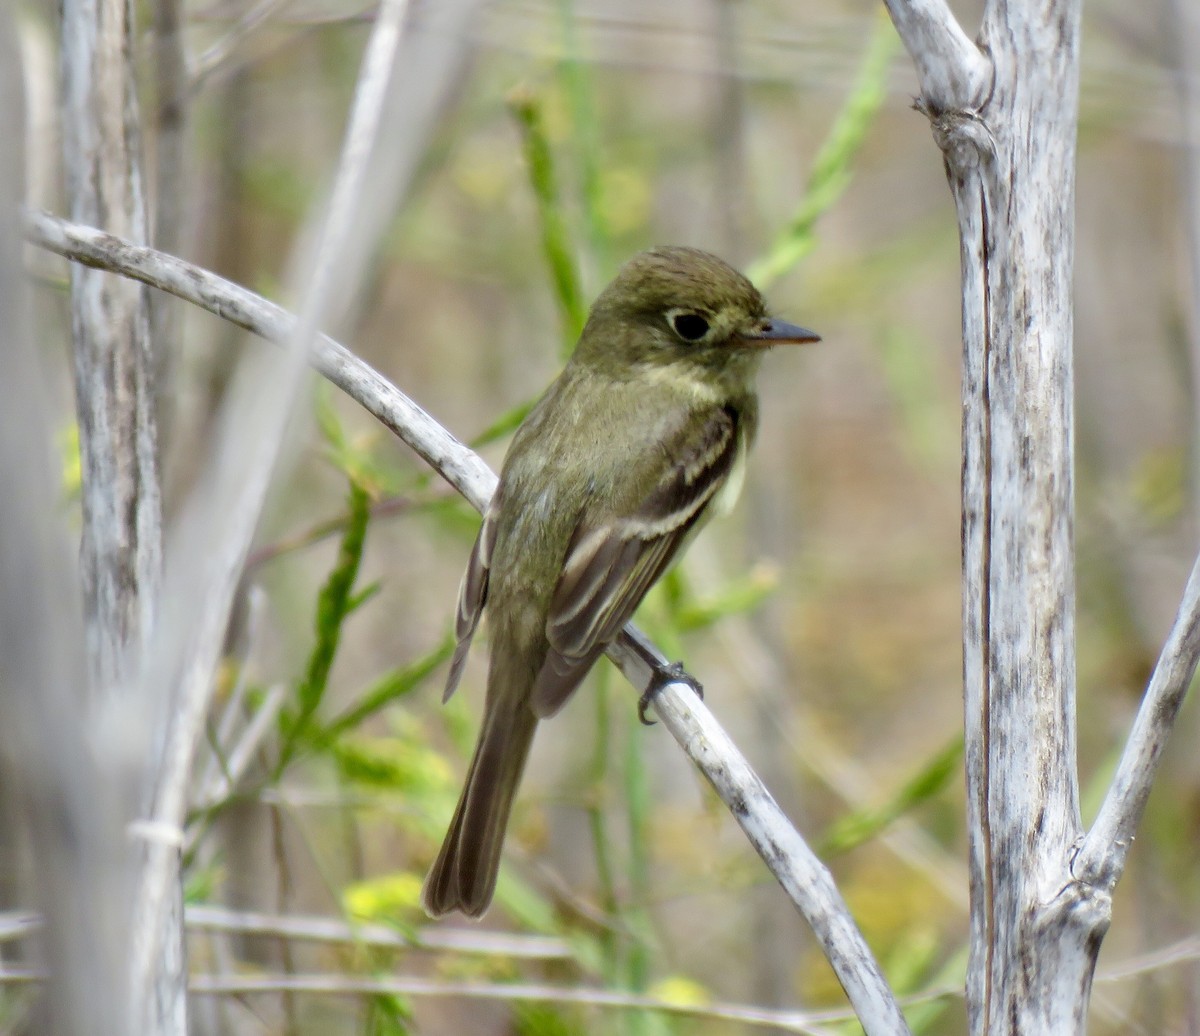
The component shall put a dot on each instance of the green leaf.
(334, 603)
(399, 764)
(833, 166)
(855, 828)
(357, 600)
(575, 74)
(389, 1015)
(556, 238)
(389, 688)
(353, 457)
(736, 597)
(504, 425)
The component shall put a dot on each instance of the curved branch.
(781, 847)
(955, 74)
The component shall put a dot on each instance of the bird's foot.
(660, 676)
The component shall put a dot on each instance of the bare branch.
(219, 769)
(64, 780)
(242, 753)
(805, 879)
(438, 938)
(216, 55)
(1101, 857)
(811, 1023)
(955, 74)
(686, 718)
(459, 466)
(170, 190)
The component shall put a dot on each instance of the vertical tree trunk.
(122, 534)
(121, 548)
(1014, 189)
(1004, 112)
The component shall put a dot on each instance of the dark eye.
(691, 327)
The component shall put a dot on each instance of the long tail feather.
(464, 875)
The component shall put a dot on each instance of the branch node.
(962, 134)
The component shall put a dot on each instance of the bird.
(616, 466)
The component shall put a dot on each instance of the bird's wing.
(612, 560)
(472, 594)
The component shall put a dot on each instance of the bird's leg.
(662, 674)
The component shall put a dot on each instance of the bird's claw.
(660, 676)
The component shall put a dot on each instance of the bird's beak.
(776, 332)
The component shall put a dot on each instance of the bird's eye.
(691, 327)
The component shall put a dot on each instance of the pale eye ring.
(688, 324)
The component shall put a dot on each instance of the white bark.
(1033, 971)
(1004, 114)
(803, 877)
(121, 543)
(57, 789)
(122, 514)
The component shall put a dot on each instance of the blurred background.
(822, 617)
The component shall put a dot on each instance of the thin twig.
(1101, 857)
(326, 530)
(240, 756)
(217, 770)
(216, 55)
(814, 1023)
(439, 938)
(18, 925)
(1184, 30)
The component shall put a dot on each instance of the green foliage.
(535, 1019)
(355, 459)
(577, 82)
(503, 426)
(72, 462)
(389, 1016)
(393, 899)
(855, 828)
(388, 689)
(201, 883)
(403, 765)
(556, 238)
(335, 602)
(834, 164)
(946, 981)
(737, 597)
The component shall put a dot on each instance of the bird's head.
(673, 306)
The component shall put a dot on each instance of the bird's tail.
(464, 875)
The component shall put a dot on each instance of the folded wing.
(613, 559)
(472, 595)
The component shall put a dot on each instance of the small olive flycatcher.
(606, 479)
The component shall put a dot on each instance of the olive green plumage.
(606, 479)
